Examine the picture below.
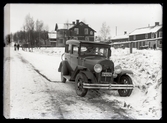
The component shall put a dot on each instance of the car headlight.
(118, 69)
(97, 68)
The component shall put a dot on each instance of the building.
(52, 38)
(145, 33)
(81, 31)
(75, 30)
(119, 39)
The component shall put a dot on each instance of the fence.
(131, 43)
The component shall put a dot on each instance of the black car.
(87, 63)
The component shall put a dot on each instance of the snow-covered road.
(36, 91)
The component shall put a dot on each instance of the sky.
(119, 17)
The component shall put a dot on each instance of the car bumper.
(108, 86)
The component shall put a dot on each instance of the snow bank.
(147, 68)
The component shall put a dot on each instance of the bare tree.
(29, 26)
(8, 39)
(104, 31)
(39, 27)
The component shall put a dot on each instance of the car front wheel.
(79, 80)
(125, 79)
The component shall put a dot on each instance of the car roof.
(77, 42)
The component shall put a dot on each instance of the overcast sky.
(126, 17)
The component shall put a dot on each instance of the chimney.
(156, 23)
(77, 21)
(125, 32)
(73, 22)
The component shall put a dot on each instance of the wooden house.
(81, 31)
(78, 31)
(145, 33)
(120, 38)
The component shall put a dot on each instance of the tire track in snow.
(25, 61)
(54, 103)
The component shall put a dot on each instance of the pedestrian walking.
(18, 46)
(15, 46)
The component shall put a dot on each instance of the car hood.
(89, 62)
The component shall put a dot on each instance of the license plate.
(106, 74)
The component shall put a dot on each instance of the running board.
(107, 86)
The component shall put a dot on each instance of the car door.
(74, 57)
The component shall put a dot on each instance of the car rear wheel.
(125, 79)
(79, 80)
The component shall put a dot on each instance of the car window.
(75, 50)
(69, 48)
(94, 50)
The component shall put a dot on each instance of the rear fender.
(64, 63)
(59, 69)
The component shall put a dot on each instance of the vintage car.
(88, 64)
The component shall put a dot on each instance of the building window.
(160, 33)
(152, 35)
(76, 31)
(61, 41)
(91, 32)
(86, 31)
(134, 37)
(76, 38)
(146, 36)
(87, 38)
(160, 42)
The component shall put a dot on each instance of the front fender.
(123, 72)
(126, 72)
(90, 76)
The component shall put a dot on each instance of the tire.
(63, 72)
(80, 78)
(125, 79)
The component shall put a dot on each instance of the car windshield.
(95, 50)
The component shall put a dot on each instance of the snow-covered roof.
(52, 35)
(156, 28)
(64, 26)
(120, 37)
(145, 30)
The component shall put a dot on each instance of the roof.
(83, 23)
(144, 30)
(86, 42)
(120, 37)
(64, 26)
(52, 35)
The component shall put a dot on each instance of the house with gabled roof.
(82, 31)
(75, 30)
(150, 32)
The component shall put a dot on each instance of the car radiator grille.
(106, 79)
